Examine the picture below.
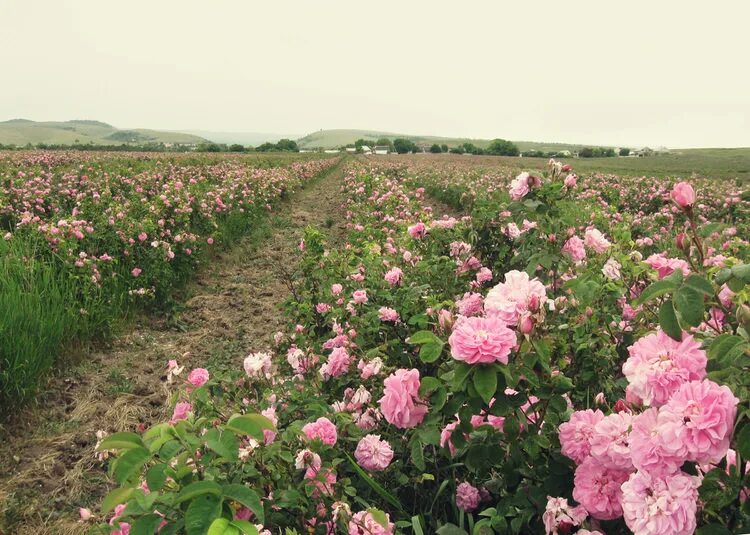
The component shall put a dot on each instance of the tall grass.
(35, 319)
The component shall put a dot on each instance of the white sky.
(634, 72)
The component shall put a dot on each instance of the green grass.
(711, 163)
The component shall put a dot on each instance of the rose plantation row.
(536, 365)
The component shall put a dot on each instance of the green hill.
(21, 132)
(330, 139)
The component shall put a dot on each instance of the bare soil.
(48, 467)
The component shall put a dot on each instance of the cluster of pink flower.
(137, 209)
(629, 462)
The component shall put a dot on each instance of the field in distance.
(20, 132)
(331, 139)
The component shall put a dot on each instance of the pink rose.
(198, 377)
(598, 489)
(576, 433)
(373, 454)
(467, 497)
(660, 505)
(401, 405)
(517, 295)
(481, 340)
(322, 429)
(181, 411)
(683, 194)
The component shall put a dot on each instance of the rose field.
(216, 344)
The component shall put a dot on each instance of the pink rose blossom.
(359, 297)
(418, 230)
(322, 429)
(683, 195)
(363, 523)
(596, 241)
(576, 433)
(666, 266)
(558, 515)
(519, 187)
(657, 443)
(597, 488)
(575, 248)
(401, 405)
(517, 295)
(660, 505)
(337, 364)
(481, 340)
(388, 314)
(708, 412)
(658, 365)
(610, 441)
(467, 497)
(181, 411)
(198, 377)
(393, 276)
(373, 454)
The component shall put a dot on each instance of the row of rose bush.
(83, 239)
(470, 375)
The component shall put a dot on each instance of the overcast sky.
(671, 73)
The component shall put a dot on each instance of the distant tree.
(435, 149)
(287, 145)
(265, 147)
(624, 152)
(402, 146)
(586, 152)
(384, 141)
(502, 147)
(209, 147)
(456, 150)
(236, 148)
(444, 147)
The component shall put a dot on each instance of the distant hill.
(243, 138)
(329, 139)
(21, 132)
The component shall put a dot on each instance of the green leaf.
(245, 527)
(379, 517)
(713, 529)
(225, 444)
(146, 525)
(247, 497)
(249, 424)
(201, 513)
(198, 488)
(689, 305)
(655, 290)
(742, 272)
(156, 476)
(699, 284)
(129, 463)
(450, 529)
(743, 441)
(668, 321)
(218, 526)
(485, 381)
(417, 455)
(115, 498)
(722, 344)
(431, 352)
(460, 374)
(416, 525)
(121, 441)
(424, 337)
(387, 496)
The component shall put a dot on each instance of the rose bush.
(476, 375)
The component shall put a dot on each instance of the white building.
(381, 149)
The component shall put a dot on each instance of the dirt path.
(48, 468)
